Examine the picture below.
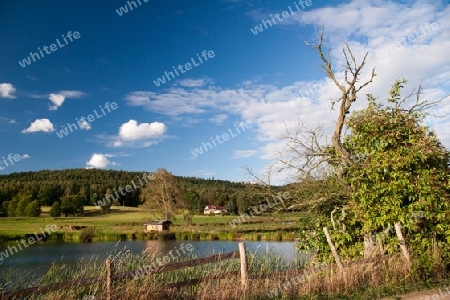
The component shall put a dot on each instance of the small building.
(220, 210)
(158, 225)
(216, 210)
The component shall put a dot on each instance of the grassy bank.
(125, 223)
(366, 281)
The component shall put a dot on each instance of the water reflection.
(38, 258)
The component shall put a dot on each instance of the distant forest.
(87, 186)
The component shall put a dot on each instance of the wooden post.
(109, 279)
(333, 249)
(244, 268)
(399, 233)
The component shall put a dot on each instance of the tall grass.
(124, 260)
(359, 281)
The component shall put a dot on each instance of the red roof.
(216, 207)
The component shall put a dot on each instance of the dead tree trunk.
(405, 251)
(333, 249)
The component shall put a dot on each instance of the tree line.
(67, 191)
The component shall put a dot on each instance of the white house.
(213, 209)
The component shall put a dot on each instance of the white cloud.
(244, 153)
(25, 156)
(8, 120)
(72, 94)
(219, 119)
(189, 82)
(131, 132)
(58, 98)
(100, 161)
(6, 90)
(57, 101)
(84, 125)
(40, 125)
(250, 81)
(175, 102)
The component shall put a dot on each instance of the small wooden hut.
(158, 225)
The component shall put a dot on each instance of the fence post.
(244, 268)
(109, 278)
(399, 233)
(333, 249)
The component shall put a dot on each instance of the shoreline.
(86, 236)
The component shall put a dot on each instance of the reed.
(358, 281)
(271, 277)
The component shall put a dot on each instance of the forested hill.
(48, 187)
(71, 176)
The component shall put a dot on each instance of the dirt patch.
(434, 294)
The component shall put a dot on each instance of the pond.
(38, 258)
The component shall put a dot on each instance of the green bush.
(55, 210)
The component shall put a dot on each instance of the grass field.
(129, 221)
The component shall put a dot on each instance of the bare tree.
(317, 161)
(308, 151)
(312, 152)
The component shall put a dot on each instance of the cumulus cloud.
(40, 125)
(58, 98)
(84, 125)
(25, 156)
(6, 90)
(100, 161)
(57, 101)
(131, 132)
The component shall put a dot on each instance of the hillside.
(48, 187)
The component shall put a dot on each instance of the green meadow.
(128, 223)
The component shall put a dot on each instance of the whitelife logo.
(49, 229)
(83, 123)
(15, 157)
(108, 199)
(197, 151)
(124, 9)
(408, 40)
(165, 260)
(284, 15)
(188, 66)
(262, 208)
(27, 61)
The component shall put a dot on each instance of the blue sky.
(265, 82)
